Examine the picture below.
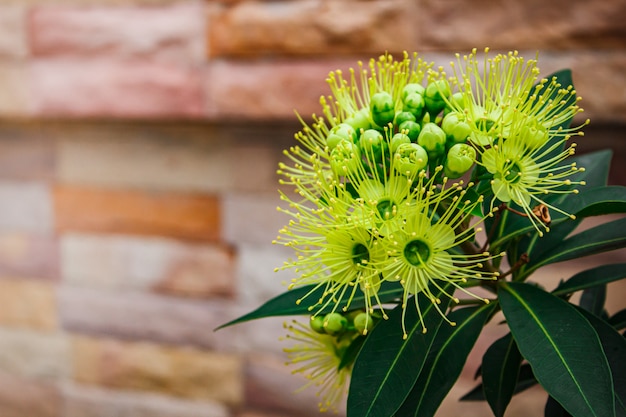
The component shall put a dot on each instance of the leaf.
(387, 366)
(606, 237)
(554, 409)
(500, 371)
(286, 304)
(592, 299)
(591, 277)
(525, 380)
(618, 320)
(351, 352)
(445, 361)
(614, 346)
(562, 348)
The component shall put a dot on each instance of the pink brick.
(21, 397)
(13, 39)
(174, 32)
(28, 255)
(269, 90)
(125, 89)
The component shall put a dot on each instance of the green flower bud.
(433, 139)
(363, 323)
(457, 130)
(345, 159)
(415, 104)
(410, 158)
(412, 88)
(434, 96)
(335, 323)
(359, 120)
(317, 324)
(534, 136)
(342, 131)
(460, 159)
(403, 116)
(371, 142)
(397, 140)
(382, 108)
(411, 129)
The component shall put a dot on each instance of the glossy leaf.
(387, 366)
(562, 348)
(554, 409)
(592, 299)
(286, 304)
(500, 371)
(351, 352)
(445, 361)
(525, 380)
(618, 320)
(591, 277)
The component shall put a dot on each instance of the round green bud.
(397, 140)
(460, 159)
(457, 130)
(534, 136)
(346, 131)
(411, 129)
(403, 116)
(382, 108)
(456, 100)
(363, 323)
(335, 323)
(415, 104)
(434, 96)
(433, 139)
(317, 324)
(410, 158)
(345, 159)
(371, 141)
(359, 120)
(412, 88)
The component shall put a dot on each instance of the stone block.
(26, 207)
(86, 401)
(252, 218)
(181, 372)
(257, 281)
(35, 355)
(20, 397)
(99, 87)
(27, 152)
(13, 40)
(311, 27)
(28, 304)
(181, 215)
(14, 93)
(126, 263)
(27, 255)
(169, 32)
(139, 316)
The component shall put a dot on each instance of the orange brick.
(181, 215)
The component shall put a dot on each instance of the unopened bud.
(410, 158)
(363, 323)
(335, 323)
(345, 159)
(434, 96)
(397, 140)
(411, 129)
(415, 104)
(382, 108)
(456, 129)
(317, 324)
(432, 138)
(460, 159)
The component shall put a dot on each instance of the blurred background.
(138, 146)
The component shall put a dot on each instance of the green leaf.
(525, 380)
(562, 348)
(592, 299)
(618, 320)
(605, 237)
(591, 277)
(445, 361)
(286, 304)
(554, 409)
(351, 352)
(387, 366)
(614, 346)
(500, 371)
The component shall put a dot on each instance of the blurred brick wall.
(138, 144)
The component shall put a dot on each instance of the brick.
(191, 216)
(154, 317)
(256, 280)
(310, 27)
(14, 93)
(27, 152)
(86, 401)
(252, 218)
(182, 372)
(21, 397)
(28, 255)
(147, 264)
(26, 207)
(28, 304)
(13, 40)
(29, 354)
(267, 90)
(169, 32)
(74, 87)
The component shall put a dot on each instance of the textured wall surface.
(138, 146)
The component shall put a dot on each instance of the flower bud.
(415, 104)
(412, 88)
(382, 108)
(411, 129)
(363, 323)
(317, 324)
(456, 129)
(335, 323)
(433, 139)
(342, 131)
(434, 96)
(534, 136)
(345, 159)
(359, 120)
(460, 159)
(403, 116)
(371, 142)
(397, 140)
(410, 158)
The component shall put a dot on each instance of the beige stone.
(28, 304)
(20, 397)
(14, 95)
(13, 40)
(182, 372)
(29, 256)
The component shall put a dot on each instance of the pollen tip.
(404, 336)
(486, 300)
(453, 323)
